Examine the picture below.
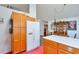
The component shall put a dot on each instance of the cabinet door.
(50, 47)
(36, 34)
(50, 50)
(63, 52)
(75, 51)
(23, 39)
(16, 40)
(48, 42)
(23, 20)
(64, 47)
(16, 19)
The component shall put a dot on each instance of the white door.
(29, 37)
(36, 32)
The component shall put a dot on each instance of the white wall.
(32, 8)
(71, 33)
(5, 37)
(49, 25)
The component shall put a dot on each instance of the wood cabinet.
(18, 38)
(64, 49)
(31, 18)
(16, 19)
(23, 21)
(19, 31)
(50, 50)
(52, 47)
(63, 52)
(70, 50)
(75, 51)
(23, 39)
(60, 28)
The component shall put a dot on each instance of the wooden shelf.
(60, 28)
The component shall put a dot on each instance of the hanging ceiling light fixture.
(58, 11)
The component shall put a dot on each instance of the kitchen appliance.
(33, 35)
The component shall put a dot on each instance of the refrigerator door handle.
(30, 33)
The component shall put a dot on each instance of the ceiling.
(58, 11)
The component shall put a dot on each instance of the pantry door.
(23, 32)
(16, 40)
(16, 32)
(23, 39)
(29, 36)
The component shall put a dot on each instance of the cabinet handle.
(29, 33)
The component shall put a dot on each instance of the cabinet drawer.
(63, 52)
(50, 43)
(75, 51)
(65, 47)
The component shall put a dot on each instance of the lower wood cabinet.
(50, 50)
(51, 47)
(63, 52)
(75, 51)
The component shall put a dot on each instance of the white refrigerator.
(32, 35)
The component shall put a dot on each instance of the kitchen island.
(60, 45)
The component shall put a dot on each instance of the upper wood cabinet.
(23, 20)
(16, 19)
(29, 18)
(19, 20)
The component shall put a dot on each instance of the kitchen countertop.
(72, 42)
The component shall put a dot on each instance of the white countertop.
(64, 40)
